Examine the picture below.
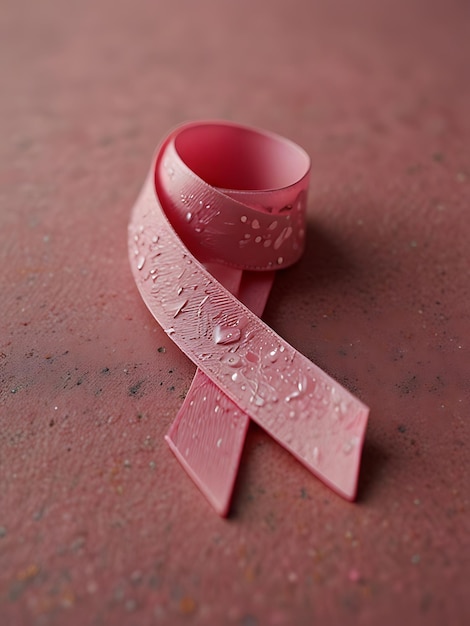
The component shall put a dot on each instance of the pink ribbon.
(222, 208)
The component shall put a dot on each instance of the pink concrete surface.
(99, 525)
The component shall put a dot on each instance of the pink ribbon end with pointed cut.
(223, 207)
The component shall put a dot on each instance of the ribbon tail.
(208, 434)
(207, 438)
(334, 455)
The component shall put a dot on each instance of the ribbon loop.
(187, 217)
(237, 218)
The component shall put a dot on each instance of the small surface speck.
(292, 577)
(354, 575)
(187, 605)
(136, 577)
(134, 389)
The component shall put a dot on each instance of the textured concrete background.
(98, 523)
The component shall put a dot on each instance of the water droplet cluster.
(269, 374)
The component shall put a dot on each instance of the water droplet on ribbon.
(257, 400)
(140, 262)
(226, 334)
(350, 445)
(292, 396)
(180, 308)
(232, 360)
(341, 409)
(273, 355)
(252, 357)
(301, 389)
(242, 321)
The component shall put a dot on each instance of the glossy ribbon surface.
(222, 208)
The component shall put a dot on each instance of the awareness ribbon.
(222, 208)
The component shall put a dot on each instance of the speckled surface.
(98, 523)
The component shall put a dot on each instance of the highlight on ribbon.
(222, 208)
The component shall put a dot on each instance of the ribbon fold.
(222, 208)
